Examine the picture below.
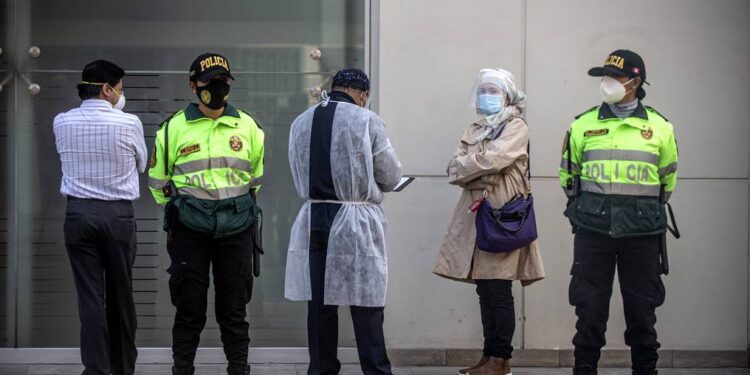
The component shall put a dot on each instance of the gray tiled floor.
(346, 370)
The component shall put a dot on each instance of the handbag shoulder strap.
(528, 153)
(528, 150)
(528, 144)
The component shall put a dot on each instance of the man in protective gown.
(342, 162)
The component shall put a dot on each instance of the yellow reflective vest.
(205, 158)
(619, 172)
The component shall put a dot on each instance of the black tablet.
(402, 184)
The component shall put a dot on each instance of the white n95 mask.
(612, 90)
(120, 102)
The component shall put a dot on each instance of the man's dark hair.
(95, 74)
(352, 78)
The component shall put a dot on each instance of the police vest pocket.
(196, 214)
(245, 214)
(591, 205)
(243, 203)
(649, 215)
(647, 208)
(218, 218)
(590, 211)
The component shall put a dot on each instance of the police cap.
(208, 65)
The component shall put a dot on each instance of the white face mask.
(120, 101)
(613, 90)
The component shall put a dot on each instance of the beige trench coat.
(499, 166)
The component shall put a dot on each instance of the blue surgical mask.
(490, 104)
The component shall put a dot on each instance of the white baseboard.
(164, 355)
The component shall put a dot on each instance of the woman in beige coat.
(491, 157)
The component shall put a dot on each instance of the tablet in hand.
(402, 184)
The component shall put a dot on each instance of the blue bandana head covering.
(351, 77)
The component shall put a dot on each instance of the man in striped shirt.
(102, 150)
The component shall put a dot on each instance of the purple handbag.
(507, 228)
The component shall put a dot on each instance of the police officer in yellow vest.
(619, 167)
(206, 168)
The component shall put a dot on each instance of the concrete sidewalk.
(346, 370)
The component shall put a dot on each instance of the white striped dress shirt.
(102, 150)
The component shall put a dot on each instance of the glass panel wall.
(268, 45)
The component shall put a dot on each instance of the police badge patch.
(205, 97)
(235, 143)
(647, 134)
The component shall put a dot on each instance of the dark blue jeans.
(498, 316)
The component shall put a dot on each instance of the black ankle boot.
(648, 371)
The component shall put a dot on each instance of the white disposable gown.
(363, 165)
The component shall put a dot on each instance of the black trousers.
(192, 254)
(639, 271)
(498, 317)
(101, 242)
(322, 319)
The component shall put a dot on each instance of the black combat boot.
(239, 371)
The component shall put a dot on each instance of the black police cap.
(208, 65)
(621, 63)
